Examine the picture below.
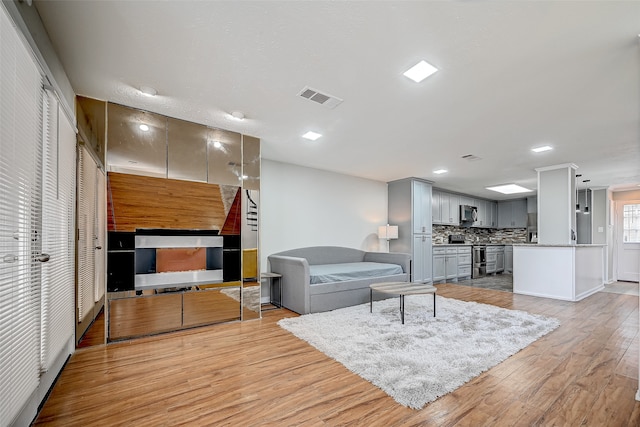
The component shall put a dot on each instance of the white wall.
(309, 207)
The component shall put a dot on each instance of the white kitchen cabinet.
(512, 213)
(439, 272)
(493, 209)
(421, 206)
(445, 208)
(500, 262)
(451, 264)
(436, 207)
(422, 258)
(464, 262)
(483, 213)
(464, 200)
(450, 206)
(495, 259)
(508, 259)
(410, 208)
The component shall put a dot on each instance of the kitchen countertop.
(578, 245)
(481, 244)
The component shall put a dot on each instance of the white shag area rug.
(427, 357)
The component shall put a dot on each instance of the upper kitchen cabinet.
(422, 209)
(487, 213)
(512, 213)
(482, 213)
(493, 211)
(445, 208)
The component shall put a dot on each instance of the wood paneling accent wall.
(144, 202)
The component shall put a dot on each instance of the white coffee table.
(402, 289)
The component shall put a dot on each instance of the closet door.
(85, 296)
(58, 230)
(20, 146)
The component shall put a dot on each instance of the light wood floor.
(257, 374)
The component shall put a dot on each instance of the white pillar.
(556, 204)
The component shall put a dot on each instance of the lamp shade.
(388, 232)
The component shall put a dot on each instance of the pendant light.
(577, 201)
(586, 196)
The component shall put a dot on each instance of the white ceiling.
(513, 75)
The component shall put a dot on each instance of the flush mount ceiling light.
(312, 136)
(440, 171)
(237, 115)
(148, 91)
(420, 71)
(542, 149)
(144, 128)
(509, 189)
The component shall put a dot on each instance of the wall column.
(556, 204)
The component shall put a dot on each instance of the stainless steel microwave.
(468, 214)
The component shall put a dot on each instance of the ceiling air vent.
(471, 157)
(318, 97)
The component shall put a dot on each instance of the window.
(631, 225)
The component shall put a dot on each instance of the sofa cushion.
(327, 273)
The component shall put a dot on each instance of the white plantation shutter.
(58, 189)
(87, 170)
(20, 145)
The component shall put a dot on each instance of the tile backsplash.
(479, 235)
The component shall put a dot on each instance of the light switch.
(600, 229)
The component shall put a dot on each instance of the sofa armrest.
(295, 281)
(403, 260)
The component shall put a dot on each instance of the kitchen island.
(564, 272)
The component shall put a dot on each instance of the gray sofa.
(343, 276)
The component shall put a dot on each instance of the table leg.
(370, 300)
(402, 308)
(434, 305)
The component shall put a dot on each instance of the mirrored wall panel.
(250, 226)
(187, 150)
(136, 141)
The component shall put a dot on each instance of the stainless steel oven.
(479, 261)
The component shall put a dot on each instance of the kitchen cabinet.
(436, 207)
(508, 259)
(484, 213)
(451, 263)
(493, 210)
(464, 262)
(495, 259)
(439, 272)
(421, 207)
(410, 208)
(512, 213)
(500, 262)
(422, 258)
(445, 208)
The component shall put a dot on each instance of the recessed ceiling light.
(144, 127)
(245, 176)
(439, 171)
(542, 149)
(420, 71)
(312, 135)
(217, 144)
(148, 91)
(509, 189)
(237, 115)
